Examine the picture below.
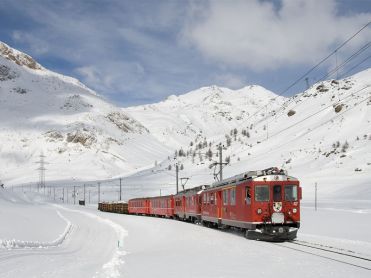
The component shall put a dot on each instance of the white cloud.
(113, 77)
(229, 80)
(255, 35)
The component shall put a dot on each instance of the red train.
(266, 204)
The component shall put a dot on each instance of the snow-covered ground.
(60, 240)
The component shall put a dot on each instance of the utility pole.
(307, 81)
(120, 189)
(266, 114)
(41, 170)
(74, 195)
(98, 192)
(89, 196)
(67, 195)
(84, 193)
(177, 177)
(63, 194)
(54, 193)
(220, 162)
(315, 196)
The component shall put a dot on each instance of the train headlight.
(259, 211)
(294, 210)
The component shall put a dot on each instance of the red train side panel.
(139, 206)
(162, 206)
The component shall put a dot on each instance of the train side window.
(225, 197)
(247, 195)
(233, 196)
(212, 198)
(262, 193)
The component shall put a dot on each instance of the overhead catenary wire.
(326, 58)
(308, 72)
(314, 114)
(349, 59)
(357, 65)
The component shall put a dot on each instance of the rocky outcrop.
(18, 57)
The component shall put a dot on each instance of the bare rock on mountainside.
(20, 91)
(291, 113)
(53, 135)
(6, 73)
(338, 108)
(19, 58)
(123, 122)
(75, 102)
(85, 138)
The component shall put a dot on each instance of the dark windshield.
(277, 196)
(291, 193)
(262, 193)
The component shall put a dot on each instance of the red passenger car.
(162, 206)
(139, 206)
(266, 203)
(188, 203)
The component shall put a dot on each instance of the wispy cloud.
(259, 35)
(142, 51)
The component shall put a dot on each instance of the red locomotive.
(266, 204)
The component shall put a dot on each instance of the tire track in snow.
(22, 244)
(111, 268)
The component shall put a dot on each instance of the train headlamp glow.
(294, 210)
(259, 211)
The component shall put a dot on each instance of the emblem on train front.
(277, 206)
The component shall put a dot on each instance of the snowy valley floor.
(40, 239)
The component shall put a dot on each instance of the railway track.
(340, 255)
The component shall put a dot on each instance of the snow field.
(87, 247)
(115, 245)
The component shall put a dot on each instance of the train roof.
(196, 189)
(269, 174)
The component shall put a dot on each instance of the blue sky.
(137, 52)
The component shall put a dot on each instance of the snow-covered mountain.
(81, 135)
(322, 135)
(207, 112)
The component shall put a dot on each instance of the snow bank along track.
(21, 244)
(340, 255)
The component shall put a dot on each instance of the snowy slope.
(206, 112)
(81, 135)
(100, 244)
(322, 135)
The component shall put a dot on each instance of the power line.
(310, 116)
(324, 59)
(350, 58)
(357, 65)
(309, 71)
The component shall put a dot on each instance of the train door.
(277, 197)
(183, 206)
(225, 207)
(219, 203)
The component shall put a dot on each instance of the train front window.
(262, 193)
(291, 193)
(277, 195)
